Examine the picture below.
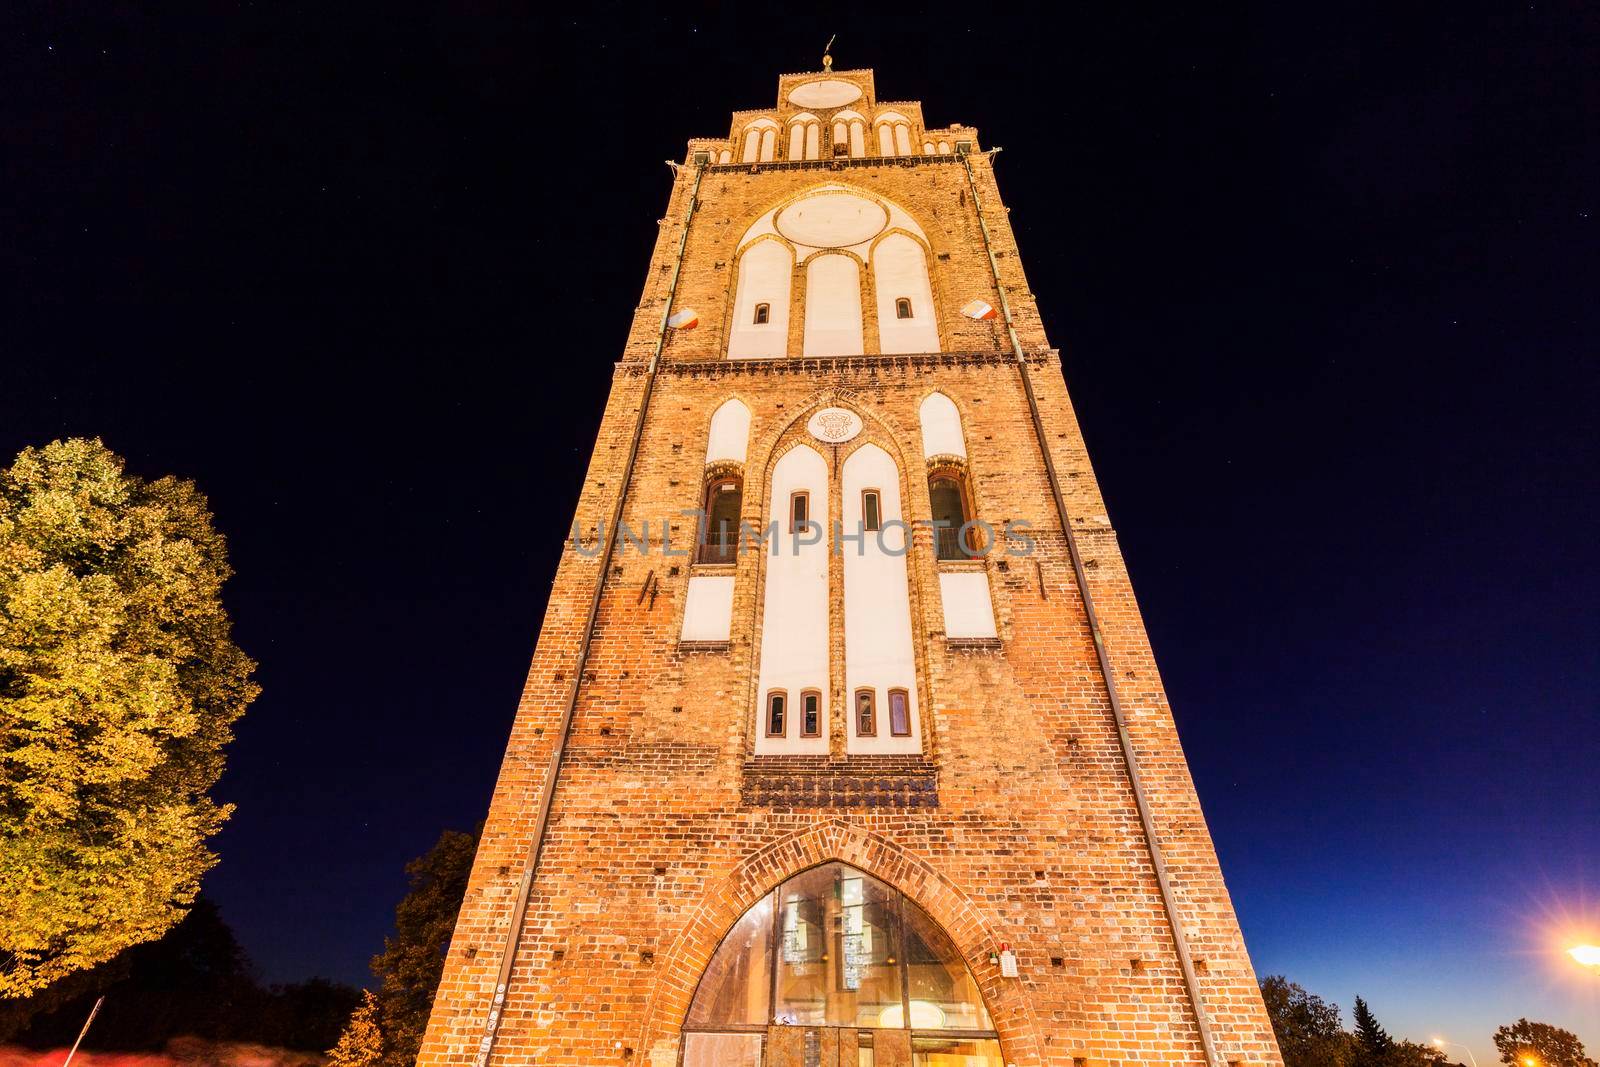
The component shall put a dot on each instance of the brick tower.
(845, 745)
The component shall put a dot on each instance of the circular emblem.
(834, 425)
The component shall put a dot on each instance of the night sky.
(1327, 289)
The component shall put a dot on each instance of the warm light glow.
(924, 1016)
(1588, 955)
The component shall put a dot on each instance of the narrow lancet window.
(866, 713)
(811, 713)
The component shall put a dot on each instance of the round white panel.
(834, 425)
(832, 220)
(824, 94)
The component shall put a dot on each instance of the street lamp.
(1441, 1043)
(1586, 955)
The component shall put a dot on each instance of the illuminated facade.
(899, 784)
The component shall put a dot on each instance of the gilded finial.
(827, 59)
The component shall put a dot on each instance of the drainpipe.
(547, 793)
(1129, 757)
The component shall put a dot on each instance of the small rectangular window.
(776, 708)
(763, 314)
(866, 713)
(871, 518)
(902, 308)
(811, 713)
(899, 713)
(799, 511)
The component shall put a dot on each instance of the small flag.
(978, 309)
(687, 319)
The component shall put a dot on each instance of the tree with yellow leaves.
(361, 1044)
(119, 682)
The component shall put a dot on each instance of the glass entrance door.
(837, 969)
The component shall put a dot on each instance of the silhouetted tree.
(1550, 1045)
(1308, 1028)
(195, 981)
(412, 962)
(1373, 1045)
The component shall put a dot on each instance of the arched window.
(805, 133)
(849, 134)
(866, 713)
(760, 141)
(885, 139)
(777, 713)
(947, 491)
(799, 511)
(899, 713)
(722, 503)
(871, 510)
(763, 314)
(835, 947)
(811, 713)
(902, 307)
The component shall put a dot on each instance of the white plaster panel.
(730, 432)
(968, 611)
(708, 608)
(900, 269)
(877, 602)
(941, 427)
(832, 220)
(794, 620)
(828, 93)
(833, 307)
(765, 271)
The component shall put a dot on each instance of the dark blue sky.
(1326, 290)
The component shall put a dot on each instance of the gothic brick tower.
(888, 777)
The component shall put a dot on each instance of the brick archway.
(725, 902)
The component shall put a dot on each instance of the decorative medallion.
(834, 425)
(827, 93)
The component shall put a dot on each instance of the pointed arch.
(726, 899)
(760, 137)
